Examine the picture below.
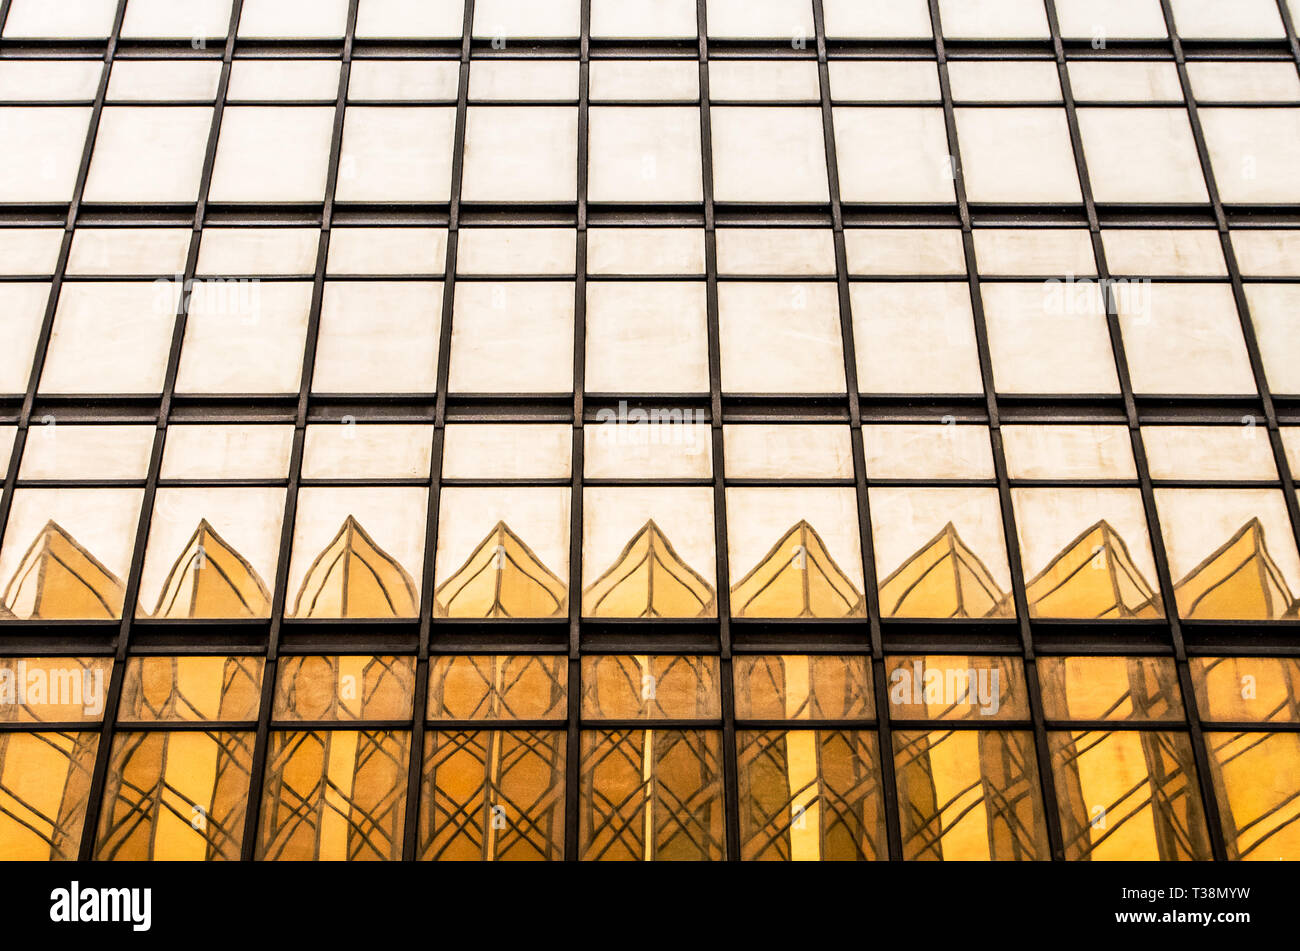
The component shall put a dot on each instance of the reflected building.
(543, 430)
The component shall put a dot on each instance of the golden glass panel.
(502, 578)
(1128, 796)
(230, 589)
(794, 552)
(1257, 783)
(53, 689)
(1239, 581)
(1093, 577)
(1232, 553)
(956, 688)
(969, 795)
(353, 577)
(944, 579)
(1247, 689)
(59, 579)
(649, 580)
(810, 795)
(803, 687)
(334, 795)
(651, 795)
(493, 795)
(1110, 688)
(344, 688)
(44, 788)
(1085, 550)
(176, 796)
(191, 688)
(498, 687)
(649, 687)
(798, 578)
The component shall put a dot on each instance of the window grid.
(883, 637)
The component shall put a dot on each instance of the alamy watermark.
(71, 686)
(953, 686)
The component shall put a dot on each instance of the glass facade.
(650, 429)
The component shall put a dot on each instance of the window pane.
(969, 795)
(799, 687)
(334, 796)
(492, 795)
(810, 795)
(651, 795)
(1128, 796)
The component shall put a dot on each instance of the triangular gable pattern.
(945, 579)
(502, 578)
(797, 578)
(1240, 581)
(1093, 577)
(211, 580)
(58, 579)
(354, 577)
(649, 580)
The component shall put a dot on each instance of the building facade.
(649, 429)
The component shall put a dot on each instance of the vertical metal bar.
(730, 769)
(573, 709)
(1199, 748)
(415, 774)
(131, 594)
(1046, 780)
(884, 732)
(262, 742)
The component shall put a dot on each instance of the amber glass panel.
(345, 688)
(969, 795)
(808, 795)
(44, 786)
(191, 688)
(1257, 783)
(1110, 688)
(337, 795)
(804, 687)
(59, 579)
(957, 688)
(797, 578)
(497, 687)
(1128, 796)
(53, 689)
(352, 576)
(176, 796)
(651, 795)
(493, 795)
(502, 578)
(648, 687)
(1246, 689)
(209, 578)
(649, 580)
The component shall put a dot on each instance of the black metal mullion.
(415, 772)
(573, 636)
(1288, 24)
(1164, 577)
(262, 742)
(90, 824)
(573, 698)
(722, 562)
(870, 576)
(1047, 783)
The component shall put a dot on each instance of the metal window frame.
(723, 636)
